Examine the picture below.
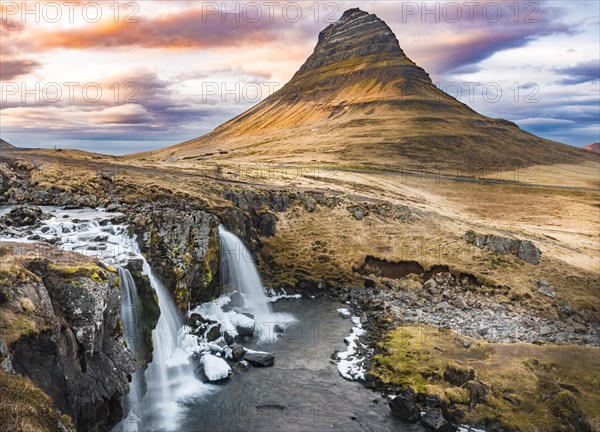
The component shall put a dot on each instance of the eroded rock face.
(356, 39)
(61, 328)
(181, 245)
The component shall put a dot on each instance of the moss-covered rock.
(181, 245)
(149, 312)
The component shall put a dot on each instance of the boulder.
(458, 375)
(214, 368)
(529, 252)
(259, 358)
(434, 420)
(502, 245)
(237, 352)
(213, 333)
(403, 406)
(21, 216)
(477, 392)
(241, 366)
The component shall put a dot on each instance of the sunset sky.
(173, 70)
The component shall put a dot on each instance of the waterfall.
(170, 376)
(155, 396)
(130, 319)
(238, 273)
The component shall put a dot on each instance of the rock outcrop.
(181, 245)
(60, 326)
(524, 249)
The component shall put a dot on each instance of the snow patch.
(215, 368)
(350, 364)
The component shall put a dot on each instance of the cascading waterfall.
(238, 273)
(153, 402)
(131, 321)
(170, 377)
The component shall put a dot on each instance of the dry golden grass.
(26, 408)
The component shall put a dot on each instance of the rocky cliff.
(60, 329)
(181, 245)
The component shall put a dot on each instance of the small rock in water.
(214, 368)
(434, 420)
(259, 358)
(370, 283)
(241, 366)
(236, 300)
(403, 406)
(237, 352)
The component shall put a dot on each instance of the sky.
(123, 77)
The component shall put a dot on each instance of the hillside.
(359, 100)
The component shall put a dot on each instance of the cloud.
(10, 69)
(184, 29)
(580, 73)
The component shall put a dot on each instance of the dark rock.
(241, 366)
(213, 333)
(458, 375)
(502, 245)
(228, 338)
(434, 420)
(259, 358)
(404, 407)
(529, 252)
(236, 300)
(136, 264)
(237, 352)
(24, 216)
(370, 283)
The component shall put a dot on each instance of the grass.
(531, 387)
(26, 408)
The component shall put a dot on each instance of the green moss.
(149, 312)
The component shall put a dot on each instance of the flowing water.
(154, 399)
(303, 391)
(238, 273)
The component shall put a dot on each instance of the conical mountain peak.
(359, 99)
(357, 47)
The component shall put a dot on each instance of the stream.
(302, 391)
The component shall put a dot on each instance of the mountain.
(595, 147)
(5, 145)
(359, 100)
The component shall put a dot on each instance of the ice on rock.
(215, 368)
